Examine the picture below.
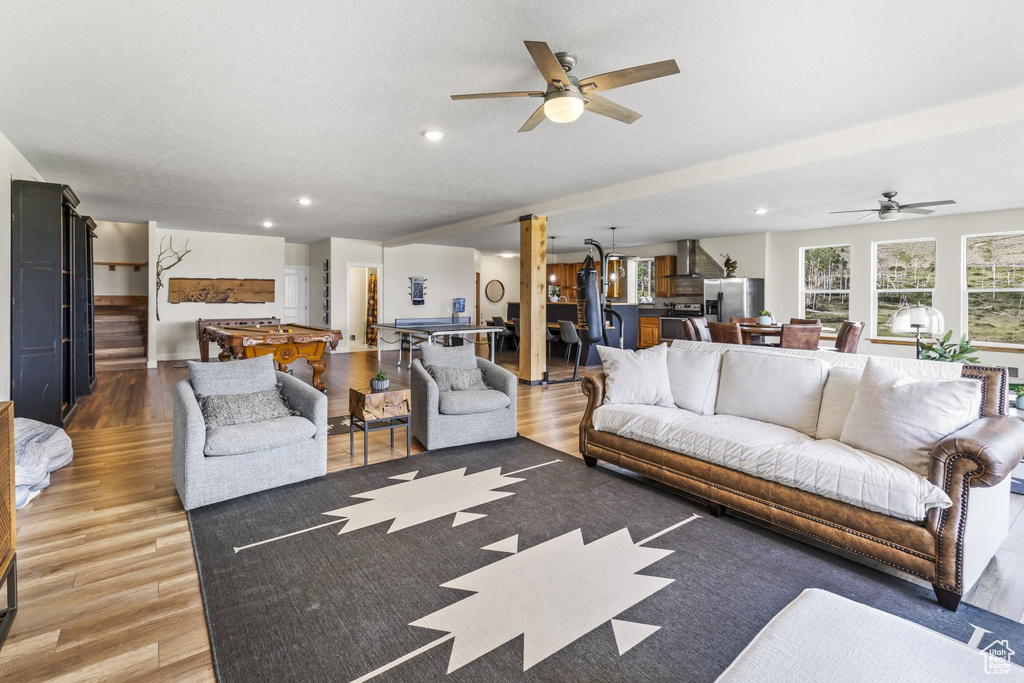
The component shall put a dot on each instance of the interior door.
(296, 295)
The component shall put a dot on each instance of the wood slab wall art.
(219, 291)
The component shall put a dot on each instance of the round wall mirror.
(495, 291)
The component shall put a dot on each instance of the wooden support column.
(533, 300)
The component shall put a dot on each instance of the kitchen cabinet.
(664, 268)
(650, 332)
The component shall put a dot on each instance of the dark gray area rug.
(338, 425)
(508, 561)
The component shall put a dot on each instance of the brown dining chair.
(726, 333)
(696, 329)
(800, 336)
(804, 321)
(744, 321)
(848, 337)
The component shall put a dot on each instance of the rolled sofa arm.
(593, 389)
(984, 452)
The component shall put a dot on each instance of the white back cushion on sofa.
(636, 377)
(900, 418)
(836, 400)
(782, 390)
(693, 378)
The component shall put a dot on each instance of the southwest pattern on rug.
(508, 561)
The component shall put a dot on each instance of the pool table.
(286, 342)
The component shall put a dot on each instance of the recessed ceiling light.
(506, 255)
(760, 211)
(434, 135)
(268, 224)
(305, 201)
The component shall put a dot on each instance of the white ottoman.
(823, 637)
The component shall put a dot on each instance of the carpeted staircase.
(120, 332)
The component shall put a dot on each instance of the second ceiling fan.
(566, 97)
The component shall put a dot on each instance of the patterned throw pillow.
(220, 410)
(457, 379)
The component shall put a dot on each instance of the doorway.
(363, 306)
(296, 295)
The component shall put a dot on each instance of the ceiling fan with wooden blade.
(890, 210)
(567, 97)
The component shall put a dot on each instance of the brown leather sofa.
(980, 455)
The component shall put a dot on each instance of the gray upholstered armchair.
(452, 418)
(215, 464)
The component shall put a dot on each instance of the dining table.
(751, 330)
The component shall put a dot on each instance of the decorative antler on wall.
(168, 259)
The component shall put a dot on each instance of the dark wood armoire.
(52, 339)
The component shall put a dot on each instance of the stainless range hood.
(686, 260)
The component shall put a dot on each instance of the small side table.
(374, 411)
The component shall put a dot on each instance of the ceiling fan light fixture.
(890, 215)
(563, 106)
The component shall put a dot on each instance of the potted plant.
(944, 349)
(766, 318)
(380, 381)
(1018, 389)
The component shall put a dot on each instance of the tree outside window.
(904, 276)
(645, 280)
(826, 284)
(994, 270)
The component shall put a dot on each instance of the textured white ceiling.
(217, 115)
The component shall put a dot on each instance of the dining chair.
(848, 337)
(744, 321)
(696, 329)
(755, 339)
(505, 333)
(800, 336)
(517, 330)
(550, 336)
(569, 336)
(804, 321)
(726, 333)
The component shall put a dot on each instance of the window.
(995, 287)
(904, 276)
(826, 284)
(645, 280)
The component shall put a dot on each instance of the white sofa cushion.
(782, 390)
(836, 399)
(636, 377)
(693, 378)
(900, 418)
(786, 456)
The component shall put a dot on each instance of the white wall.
(296, 254)
(318, 252)
(450, 273)
(13, 166)
(345, 253)
(215, 255)
(121, 242)
(747, 250)
(357, 277)
(505, 271)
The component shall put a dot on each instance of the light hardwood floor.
(107, 579)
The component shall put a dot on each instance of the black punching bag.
(590, 317)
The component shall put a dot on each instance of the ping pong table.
(418, 330)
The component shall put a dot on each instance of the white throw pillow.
(636, 377)
(782, 390)
(693, 378)
(900, 418)
(836, 400)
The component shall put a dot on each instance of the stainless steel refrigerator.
(734, 297)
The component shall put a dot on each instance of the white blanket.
(786, 456)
